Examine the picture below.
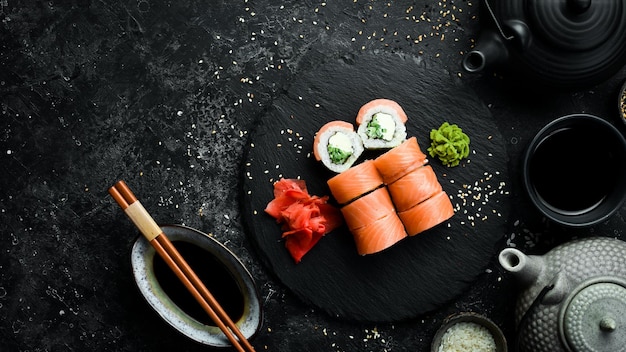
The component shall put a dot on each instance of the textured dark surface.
(418, 274)
(163, 94)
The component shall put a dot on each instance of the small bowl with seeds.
(621, 103)
(468, 331)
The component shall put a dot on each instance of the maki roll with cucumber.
(337, 146)
(381, 124)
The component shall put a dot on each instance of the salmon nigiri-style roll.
(355, 182)
(367, 209)
(337, 145)
(427, 214)
(382, 124)
(414, 188)
(379, 235)
(400, 160)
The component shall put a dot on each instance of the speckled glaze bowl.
(143, 265)
(470, 317)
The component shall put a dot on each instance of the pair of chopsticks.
(153, 233)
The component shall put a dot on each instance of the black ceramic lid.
(571, 42)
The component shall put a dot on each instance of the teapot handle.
(523, 321)
(520, 31)
(495, 20)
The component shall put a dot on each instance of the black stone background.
(162, 94)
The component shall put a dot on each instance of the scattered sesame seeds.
(473, 200)
(440, 20)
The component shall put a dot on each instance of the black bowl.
(574, 170)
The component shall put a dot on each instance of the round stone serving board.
(418, 274)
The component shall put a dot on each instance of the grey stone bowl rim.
(142, 255)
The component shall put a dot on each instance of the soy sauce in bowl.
(217, 267)
(213, 274)
(575, 171)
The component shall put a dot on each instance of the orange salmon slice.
(371, 106)
(379, 235)
(355, 182)
(427, 214)
(400, 160)
(414, 188)
(368, 209)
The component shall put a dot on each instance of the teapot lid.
(577, 25)
(570, 41)
(594, 318)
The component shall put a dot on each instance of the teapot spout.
(525, 268)
(490, 50)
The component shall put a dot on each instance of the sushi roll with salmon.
(381, 124)
(379, 235)
(337, 146)
(414, 188)
(367, 209)
(427, 214)
(355, 182)
(400, 160)
(373, 222)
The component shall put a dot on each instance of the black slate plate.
(420, 273)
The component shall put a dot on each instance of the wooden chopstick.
(153, 233)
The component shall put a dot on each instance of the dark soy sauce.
(213, 275)
(573, 169)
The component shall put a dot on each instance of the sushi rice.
(325, 137)
(388, 118)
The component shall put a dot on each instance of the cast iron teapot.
(574, 297)
(561, 43)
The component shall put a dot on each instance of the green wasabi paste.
(449, 144)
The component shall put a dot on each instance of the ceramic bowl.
(144, 261)
(469, 317)
(574, 171)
